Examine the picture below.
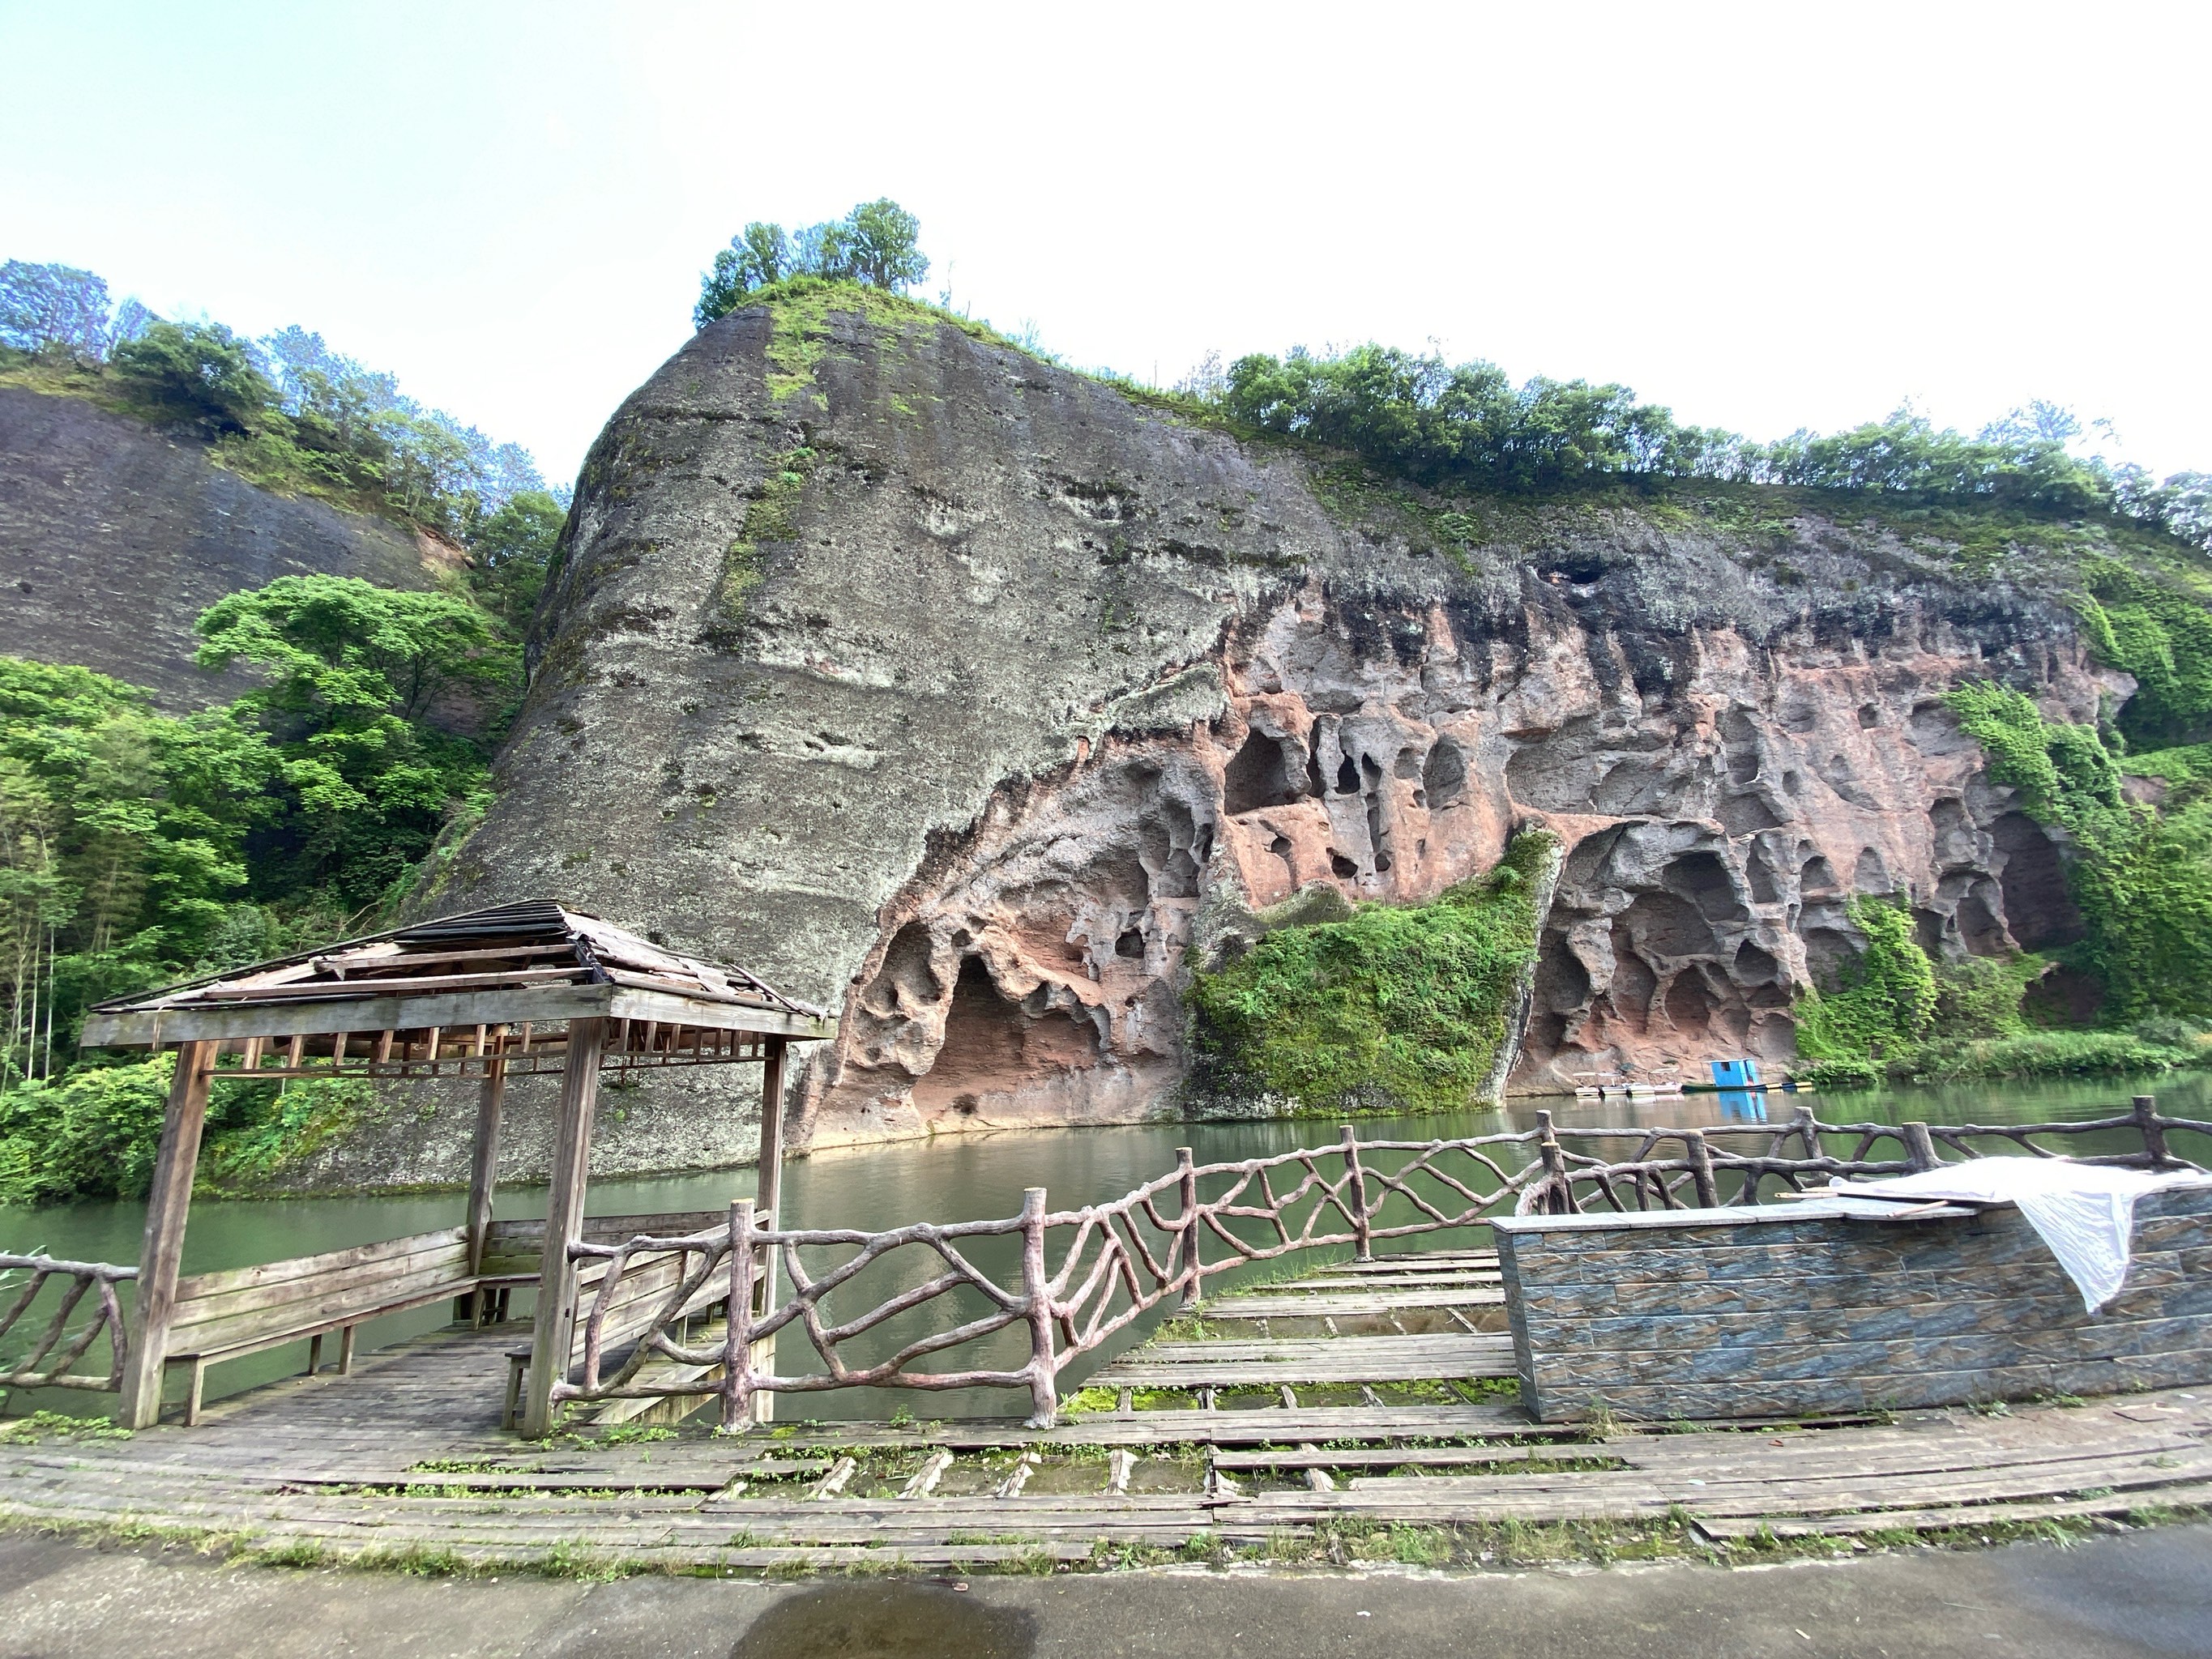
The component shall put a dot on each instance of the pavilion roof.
(531, 963)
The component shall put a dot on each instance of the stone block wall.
(1782, 1312)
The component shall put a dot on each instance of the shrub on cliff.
(1888, 997)
(284, 410)
(1468, 426)
(2141, 876)
(1403, 1003)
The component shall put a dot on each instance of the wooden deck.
(406, 1454)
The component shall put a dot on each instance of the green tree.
(357, 677)
(876, 243)
(881, 246)
(196, 374)
(121, 834)
(510, 552)
(47, 306)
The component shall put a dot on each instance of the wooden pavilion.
(521, 989)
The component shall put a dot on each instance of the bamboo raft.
(407, 1455)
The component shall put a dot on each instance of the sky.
(1765, 216)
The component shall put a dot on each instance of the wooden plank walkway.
(406, 1454)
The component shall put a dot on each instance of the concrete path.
(2144, 1594)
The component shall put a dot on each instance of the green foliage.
(283, 412)
(60, 309)
(1402, 1003)
(197, 374)
(1469, 427)
(1842, 1072)
(1900, 1014)
(93, 1133)
(136, 848)
(767, 519)
(1981, 996)
(121, 837)
(1888, 997)
(2163, 636)
(2141, 878)
(510, 551)
(357, 676)
(873, 244)
(2044, 1054)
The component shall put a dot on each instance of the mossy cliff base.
(985, 700)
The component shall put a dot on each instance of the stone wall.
(1780, 1312)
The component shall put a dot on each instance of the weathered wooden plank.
(1350, 1304)
(162, 1252)
(1962, 1516)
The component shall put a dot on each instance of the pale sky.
(1765, 216)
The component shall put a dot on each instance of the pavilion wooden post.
(564, 1224)
(768, 1198)
(163, 1249)
(483, 1176)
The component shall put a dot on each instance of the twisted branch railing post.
(1559, 1197)
(1701, 1169)
(1194, 1289)
(737, 1324)
(1919, 1145)
(1363, 1225)
(2154, 1132)
(1112, 1274)
(25, 1371)
(1037, 1291)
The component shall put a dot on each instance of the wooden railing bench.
(247, 1311)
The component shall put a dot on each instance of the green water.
(973, 1178)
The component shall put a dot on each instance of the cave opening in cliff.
(2039, 907)
(1258, 776)
(907, 981)
(1443, 776)
(991, 1046)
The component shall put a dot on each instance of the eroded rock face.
(114, 538)
(1701, 891)
(1035, 698)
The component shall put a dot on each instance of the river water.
(974, 1177)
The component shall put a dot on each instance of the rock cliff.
(114, 538)
(977, 699)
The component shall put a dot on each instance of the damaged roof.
(533, 961)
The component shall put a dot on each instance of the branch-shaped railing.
(1118, 1261)
(51, 1358)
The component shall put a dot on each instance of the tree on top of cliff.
(48, 307)
(198, 373)
(875, 244)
